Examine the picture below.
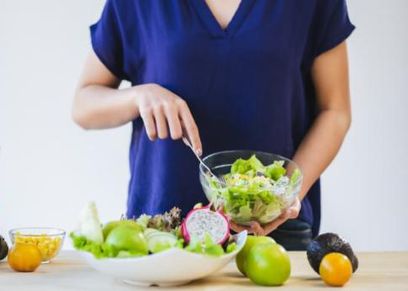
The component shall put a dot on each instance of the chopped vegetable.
(90, 226)
(206, 246)
(167, 221)
(99, 250)
(254, 191)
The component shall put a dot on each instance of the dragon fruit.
(201, 221)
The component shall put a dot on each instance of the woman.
(232, 74)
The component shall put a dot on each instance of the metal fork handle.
(187, 142)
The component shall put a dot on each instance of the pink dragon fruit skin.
(202, 220)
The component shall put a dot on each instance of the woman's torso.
(248, 87)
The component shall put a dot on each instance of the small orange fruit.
(24, 258)
(335, 269)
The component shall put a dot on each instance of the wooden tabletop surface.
(377, 271)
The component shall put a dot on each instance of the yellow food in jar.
(47, 245)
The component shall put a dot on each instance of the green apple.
(107, 228)
(127, 238)
(250, 242)
(268, 265)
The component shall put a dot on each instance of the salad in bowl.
(161, 250)
(250, 186)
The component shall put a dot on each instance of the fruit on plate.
(328, 243)
(3, 248)
(146, 235)
(128, 240)
(158, 241)
(201, 221)
(24, 258)
(268, 264)
(335, 269)
(108, 227)
(251, 241)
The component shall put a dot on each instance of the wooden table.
(377, 271)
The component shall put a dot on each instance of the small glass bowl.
(48, 240)
(220, 164)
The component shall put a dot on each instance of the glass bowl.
(244, 205)
(48, 240)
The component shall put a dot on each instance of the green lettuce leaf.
(99, 250)
(295, 176)
(231, 247)
(275, 171)
(249, 167)
(206, 246)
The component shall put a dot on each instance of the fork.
(213, 176)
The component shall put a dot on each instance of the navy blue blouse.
(248, 86)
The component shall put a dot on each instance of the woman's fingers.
(294, 210)
(238, 227)
(257, 229)
(254, 228)
(173, 120)
(190, 127)
(161, 124)
(164, 113)
(274, 224)
(148, 120)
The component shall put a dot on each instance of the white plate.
(168, 268)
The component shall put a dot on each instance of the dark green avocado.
(3, 248)
(329, 243)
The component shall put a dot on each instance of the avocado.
(329, 243)
(3, 248)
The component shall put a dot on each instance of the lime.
(107, 228)
(268, 265)
(250, 242)
(128, 238)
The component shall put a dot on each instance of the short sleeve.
(331, 25)
(107, 40)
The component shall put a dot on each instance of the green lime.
(250, 242)
(127, 238)
(268, 265)
(107, 228)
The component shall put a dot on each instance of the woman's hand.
(100, 104)
(165, 114)
(255, 228)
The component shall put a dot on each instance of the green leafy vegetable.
(231, 247)
(207, 246)
(143, 220)
(295, 176)
(99, 250)
(167, 221)
(275, 171)
(254, 191)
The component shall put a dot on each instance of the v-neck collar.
(212, 24)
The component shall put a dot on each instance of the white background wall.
(49, 168)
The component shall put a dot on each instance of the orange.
(335, 269)
(24, 258)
